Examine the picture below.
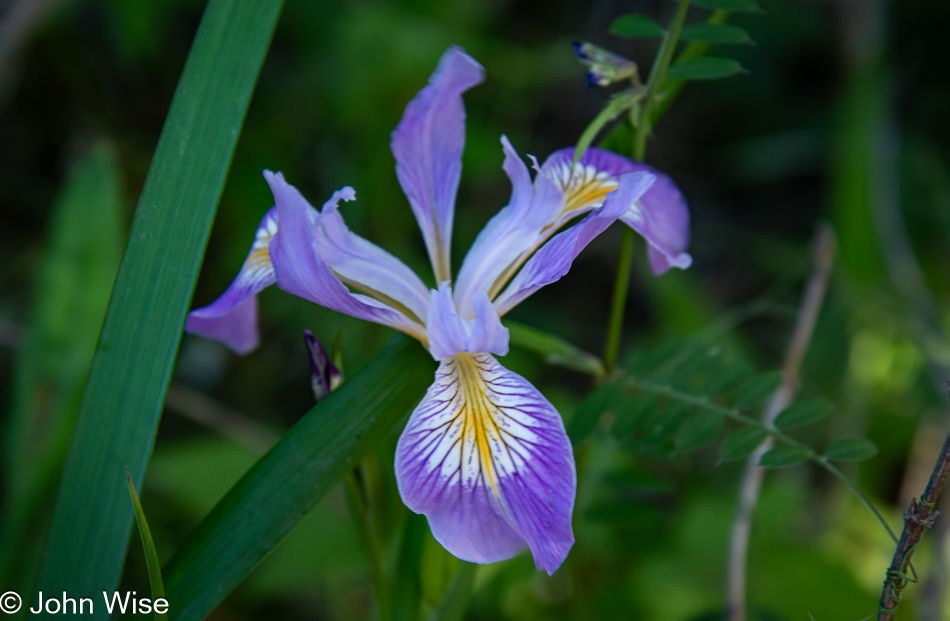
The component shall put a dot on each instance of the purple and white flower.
(484, 455)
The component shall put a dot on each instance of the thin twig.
(919, 518)
(751, 482)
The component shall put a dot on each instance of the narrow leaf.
(754, 390)
(406, 584)
(151, 555)
(736, 6)
(740, 443)
(122, 404)
(803, 413)
(698, 431)
(851, 449)
(785, 455)
(279, 490)
(716, 33)
(453, 605)
(555, 350)
(706, 68)
(635, 27)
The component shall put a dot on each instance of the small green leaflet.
(716, 33)
(636, 27)
(706, 68)
(698, 431)
(737, 6)
(851, 449)
(756, 389)
(782, 456)
(740, 443)
(803, 413)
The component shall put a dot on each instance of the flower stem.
(622, 283)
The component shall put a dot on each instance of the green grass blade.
(71, 291)
(279, 490)
(133, 362)
(555, 350)
(148, 546)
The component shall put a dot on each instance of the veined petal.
(511, 233)
(428, 144)
(232, 318)
(367, 267)
(486, 459)
(450, 333)
(554, 259)
(300, 270)
(660, 216)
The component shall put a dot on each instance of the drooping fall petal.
(486, 459)
(660, 216)
(232, 318)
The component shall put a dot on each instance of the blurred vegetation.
(840, 118)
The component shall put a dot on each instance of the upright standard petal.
(486, 459)
(554, 259)
(300, 270)
(660, 216)
(428, 144)
(510, 234)
(449, 333)
(232, 318)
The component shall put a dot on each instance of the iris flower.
(484, 455)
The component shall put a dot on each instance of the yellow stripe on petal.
(584, 186)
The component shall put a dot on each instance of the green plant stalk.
(122, 404)
(148, 546)
(696, 49)
(779, 435)
(643, 126)
(356, 500)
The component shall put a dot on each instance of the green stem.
(657, 75)
(738, 416)
(622, 283)
(354, 497)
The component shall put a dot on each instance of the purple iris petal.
(301, 271)
(511, 232)
(428, 144)
(661, 216)
(367, 267)
(232, 318)
(554, 259)
(486, 459)
(450, 334)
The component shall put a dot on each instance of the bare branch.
(751, 482)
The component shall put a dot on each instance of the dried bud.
(324, 376)
(605, 67)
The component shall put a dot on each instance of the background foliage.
(841, 118)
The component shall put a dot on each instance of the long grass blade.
(279, 490)
(122, 404)
(148, 547)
